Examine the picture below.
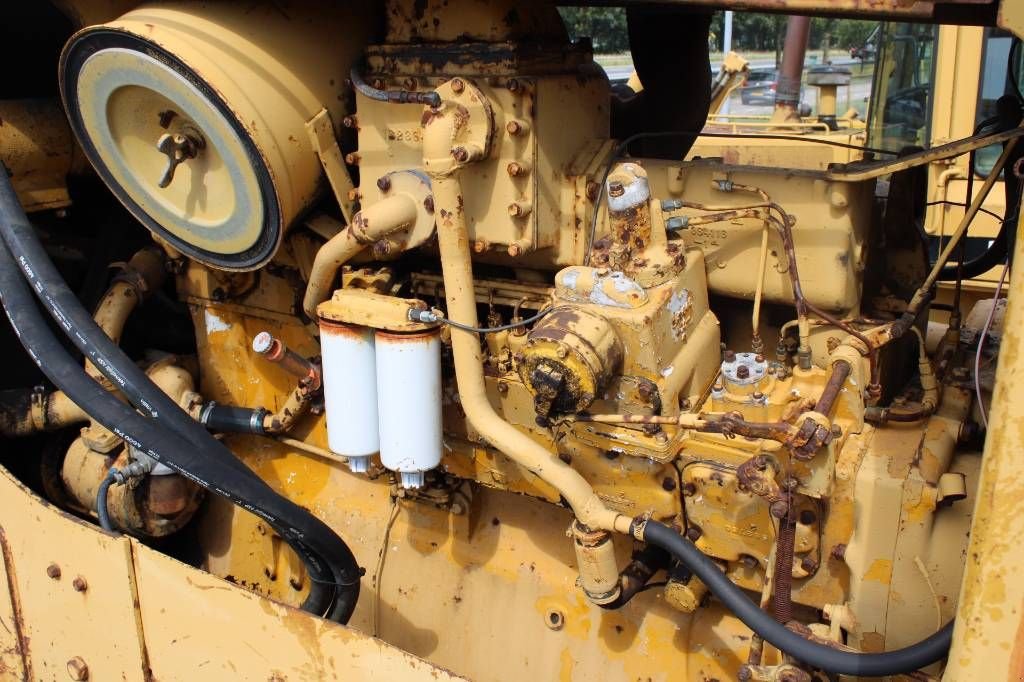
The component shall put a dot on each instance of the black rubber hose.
(101, 501)
(825, 658)
(333, 570)
(232, 419)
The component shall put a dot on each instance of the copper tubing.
(273, 350)
(840, 372)
(453, 243)
(368, 226)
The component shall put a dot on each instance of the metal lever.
(178, 147)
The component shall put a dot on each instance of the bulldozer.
(633, 390)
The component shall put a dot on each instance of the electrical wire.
(987, 212)
(501, 328)
(624, 145)
(981, 344)
(102, 512)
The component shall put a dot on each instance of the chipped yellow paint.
(880, 571)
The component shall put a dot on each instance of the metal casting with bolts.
(366, 328)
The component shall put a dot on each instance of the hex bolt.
(757, 395)
(53, 571)
(693, 533)
(516, 169)
(676, 223)
(384, 183)
(77, 669)
(460, 154)
(481, 245)
(729, 356)
(808, 564)
(79, 584)
(428, 203)
(742, 372)
(458, 85)
(517, 127)
(350, 121)
(758, 359)
(519, 209)
(668, 483)
(352, 158)
(615, 189)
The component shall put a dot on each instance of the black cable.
(101, 501)
(962, 205)
(819, 656)
(429, 98)
(490, 330)
(1011, 68)
(333, 570)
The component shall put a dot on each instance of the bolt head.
(513, 127)
(79, 584)
(693, 533)
(428, 204)
(53, 572)
(729, 356)
(384, 183)
(742, 372)
(458, 85)
(615, 189)
(460, 154)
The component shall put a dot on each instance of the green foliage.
(605, 26)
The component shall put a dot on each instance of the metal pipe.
(787, 92)
(368, 226)
(453, 243)
(840, 372)
(274, 350)
(429, 98)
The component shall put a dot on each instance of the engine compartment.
(438, 308)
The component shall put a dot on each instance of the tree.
(605, 26)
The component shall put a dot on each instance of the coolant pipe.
(453, 243)
(820, 656)
(368, 226)
(27, 412)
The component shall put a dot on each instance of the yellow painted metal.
(36, 148)
(987, 641)
(218, 201)
(131, 613)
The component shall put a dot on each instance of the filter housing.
(220, 94)
(350, 392)
(408, 403)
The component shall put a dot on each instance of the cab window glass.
(901, 96)
(994, 83)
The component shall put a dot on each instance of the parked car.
(759, 88)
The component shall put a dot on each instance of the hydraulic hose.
(101, 501)
(333, 570)
(819, 656)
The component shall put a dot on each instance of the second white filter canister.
(409, 403)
